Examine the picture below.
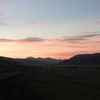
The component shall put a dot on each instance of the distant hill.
(83, 59)
(45, 60)
(8, 64)
(30, 62)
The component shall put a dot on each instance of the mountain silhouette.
(46, 60)
(83, 59)
(9, 64)
(6, 61)
(30, 62)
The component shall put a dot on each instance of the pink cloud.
(31, 39)
(97, 22)
(89, 33)
(28, 39)
(5, 17)
(30, 23)
(6, 40)
(61, 47)
(84, 36)
(76, 39)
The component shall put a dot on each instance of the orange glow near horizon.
(56, 50)
(59, 48)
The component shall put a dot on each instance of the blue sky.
(51, 13)
(49, 19)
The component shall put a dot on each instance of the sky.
(58, 29)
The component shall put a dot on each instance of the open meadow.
(55, 83)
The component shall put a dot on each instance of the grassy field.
(88, 74)
(53, 84)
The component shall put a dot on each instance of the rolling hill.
(9, 64)
(30, 62)
(83, 59)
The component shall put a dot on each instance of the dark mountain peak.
(30, 57)
(85, 55)
(79, 56)
(40, 57)
(47, 60)
(83, 59)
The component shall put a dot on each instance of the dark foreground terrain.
(55, 83)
